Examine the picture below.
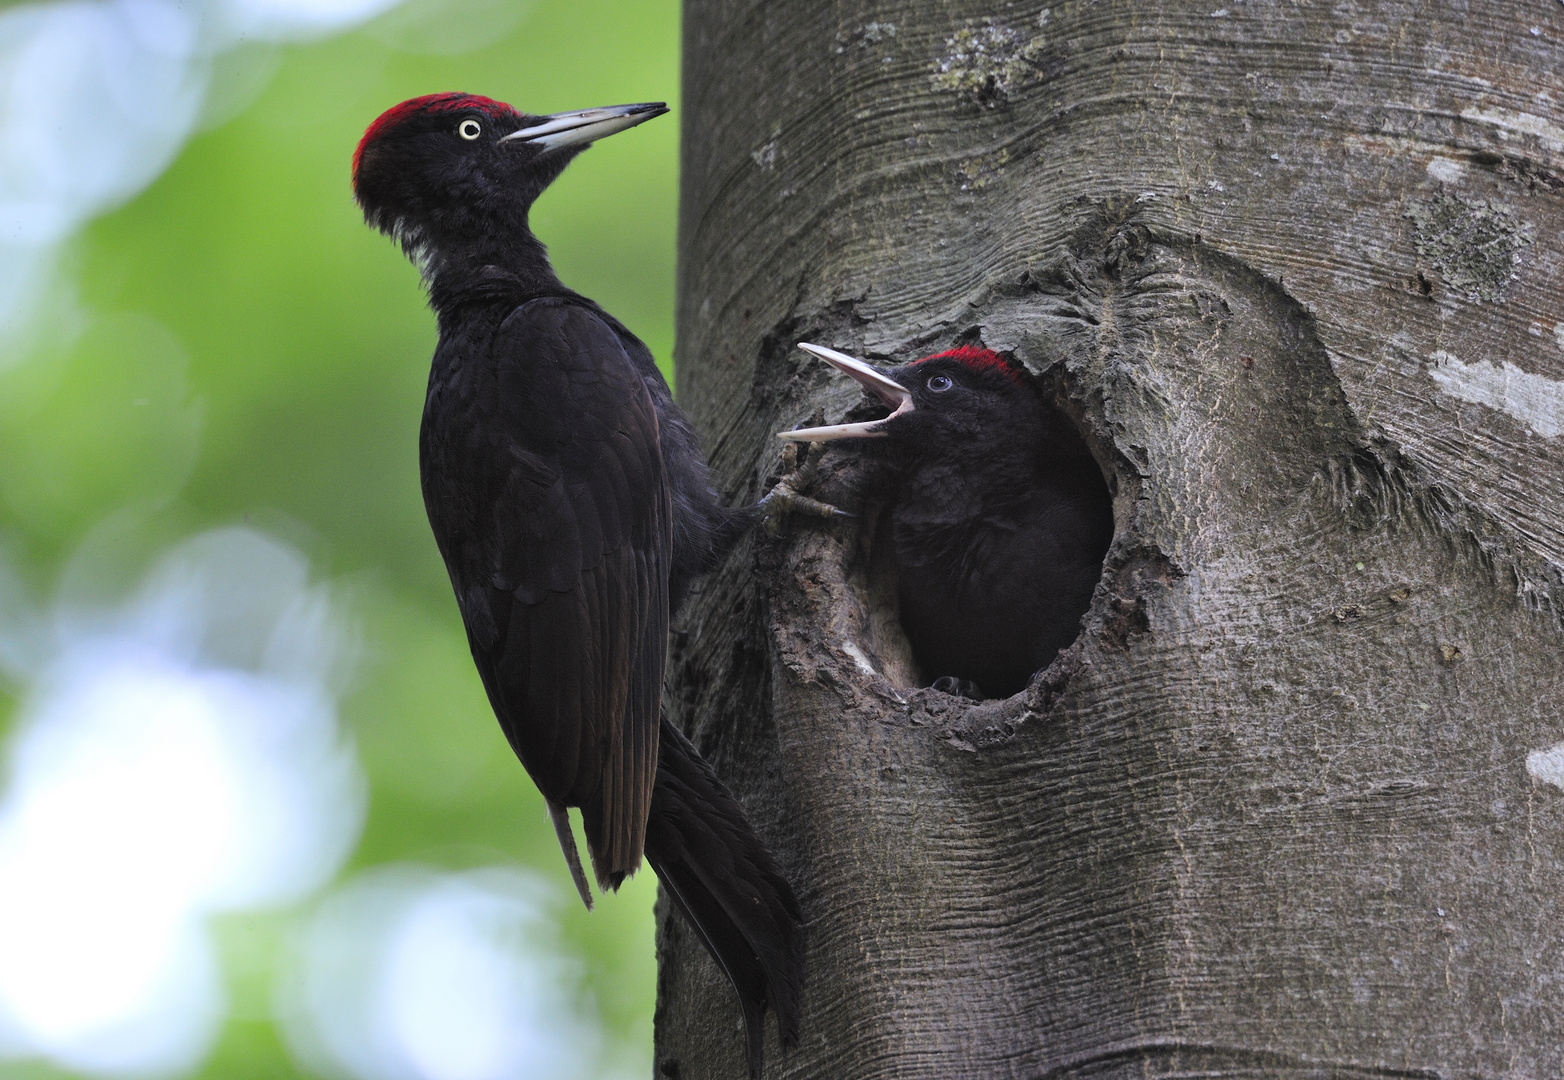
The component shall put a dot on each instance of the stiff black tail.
(728, 887)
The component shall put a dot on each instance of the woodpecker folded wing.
(576, 581)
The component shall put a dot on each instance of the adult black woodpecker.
(572, 506)
(998, 515)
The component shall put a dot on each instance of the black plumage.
(998, 517)
(572, 506)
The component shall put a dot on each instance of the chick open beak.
(888, 390)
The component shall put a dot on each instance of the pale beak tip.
(585, 125)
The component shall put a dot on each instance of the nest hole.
(905, 654)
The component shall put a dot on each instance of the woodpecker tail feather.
(728, 887)
(560, 815)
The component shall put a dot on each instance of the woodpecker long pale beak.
(585, 125)
(872, 379)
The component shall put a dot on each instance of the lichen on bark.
(1474, 244)
(986, 61)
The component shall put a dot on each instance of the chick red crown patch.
(978, 360)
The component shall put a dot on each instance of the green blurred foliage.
(235, 346)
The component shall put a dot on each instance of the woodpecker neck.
(957, 475)
(496, 266)
(1006, 473)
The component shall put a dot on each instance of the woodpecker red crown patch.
(429, 103)
(978, 360)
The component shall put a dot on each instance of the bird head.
(960, 394)
(453, 168)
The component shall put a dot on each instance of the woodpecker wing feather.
(565, 592)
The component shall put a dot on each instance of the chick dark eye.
(940, 383)
(469, 129)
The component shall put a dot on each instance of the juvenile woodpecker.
(999, 516)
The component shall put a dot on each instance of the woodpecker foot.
(962, 688)
(787, 497)
(776, 507)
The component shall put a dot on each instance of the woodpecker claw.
(782, 502)
(777, 506)
(786, 498)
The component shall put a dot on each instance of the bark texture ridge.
(1293, 805)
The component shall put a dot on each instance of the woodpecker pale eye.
(940, 383)
(469, 129)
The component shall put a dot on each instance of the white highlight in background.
(96, 99)
(411, 974)
(97, 96)
(174, 759)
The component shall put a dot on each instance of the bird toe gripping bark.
(788, 497)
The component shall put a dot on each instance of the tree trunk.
(1291, 805)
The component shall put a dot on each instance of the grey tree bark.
(1291, 805)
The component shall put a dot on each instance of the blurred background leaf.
(232, 347)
